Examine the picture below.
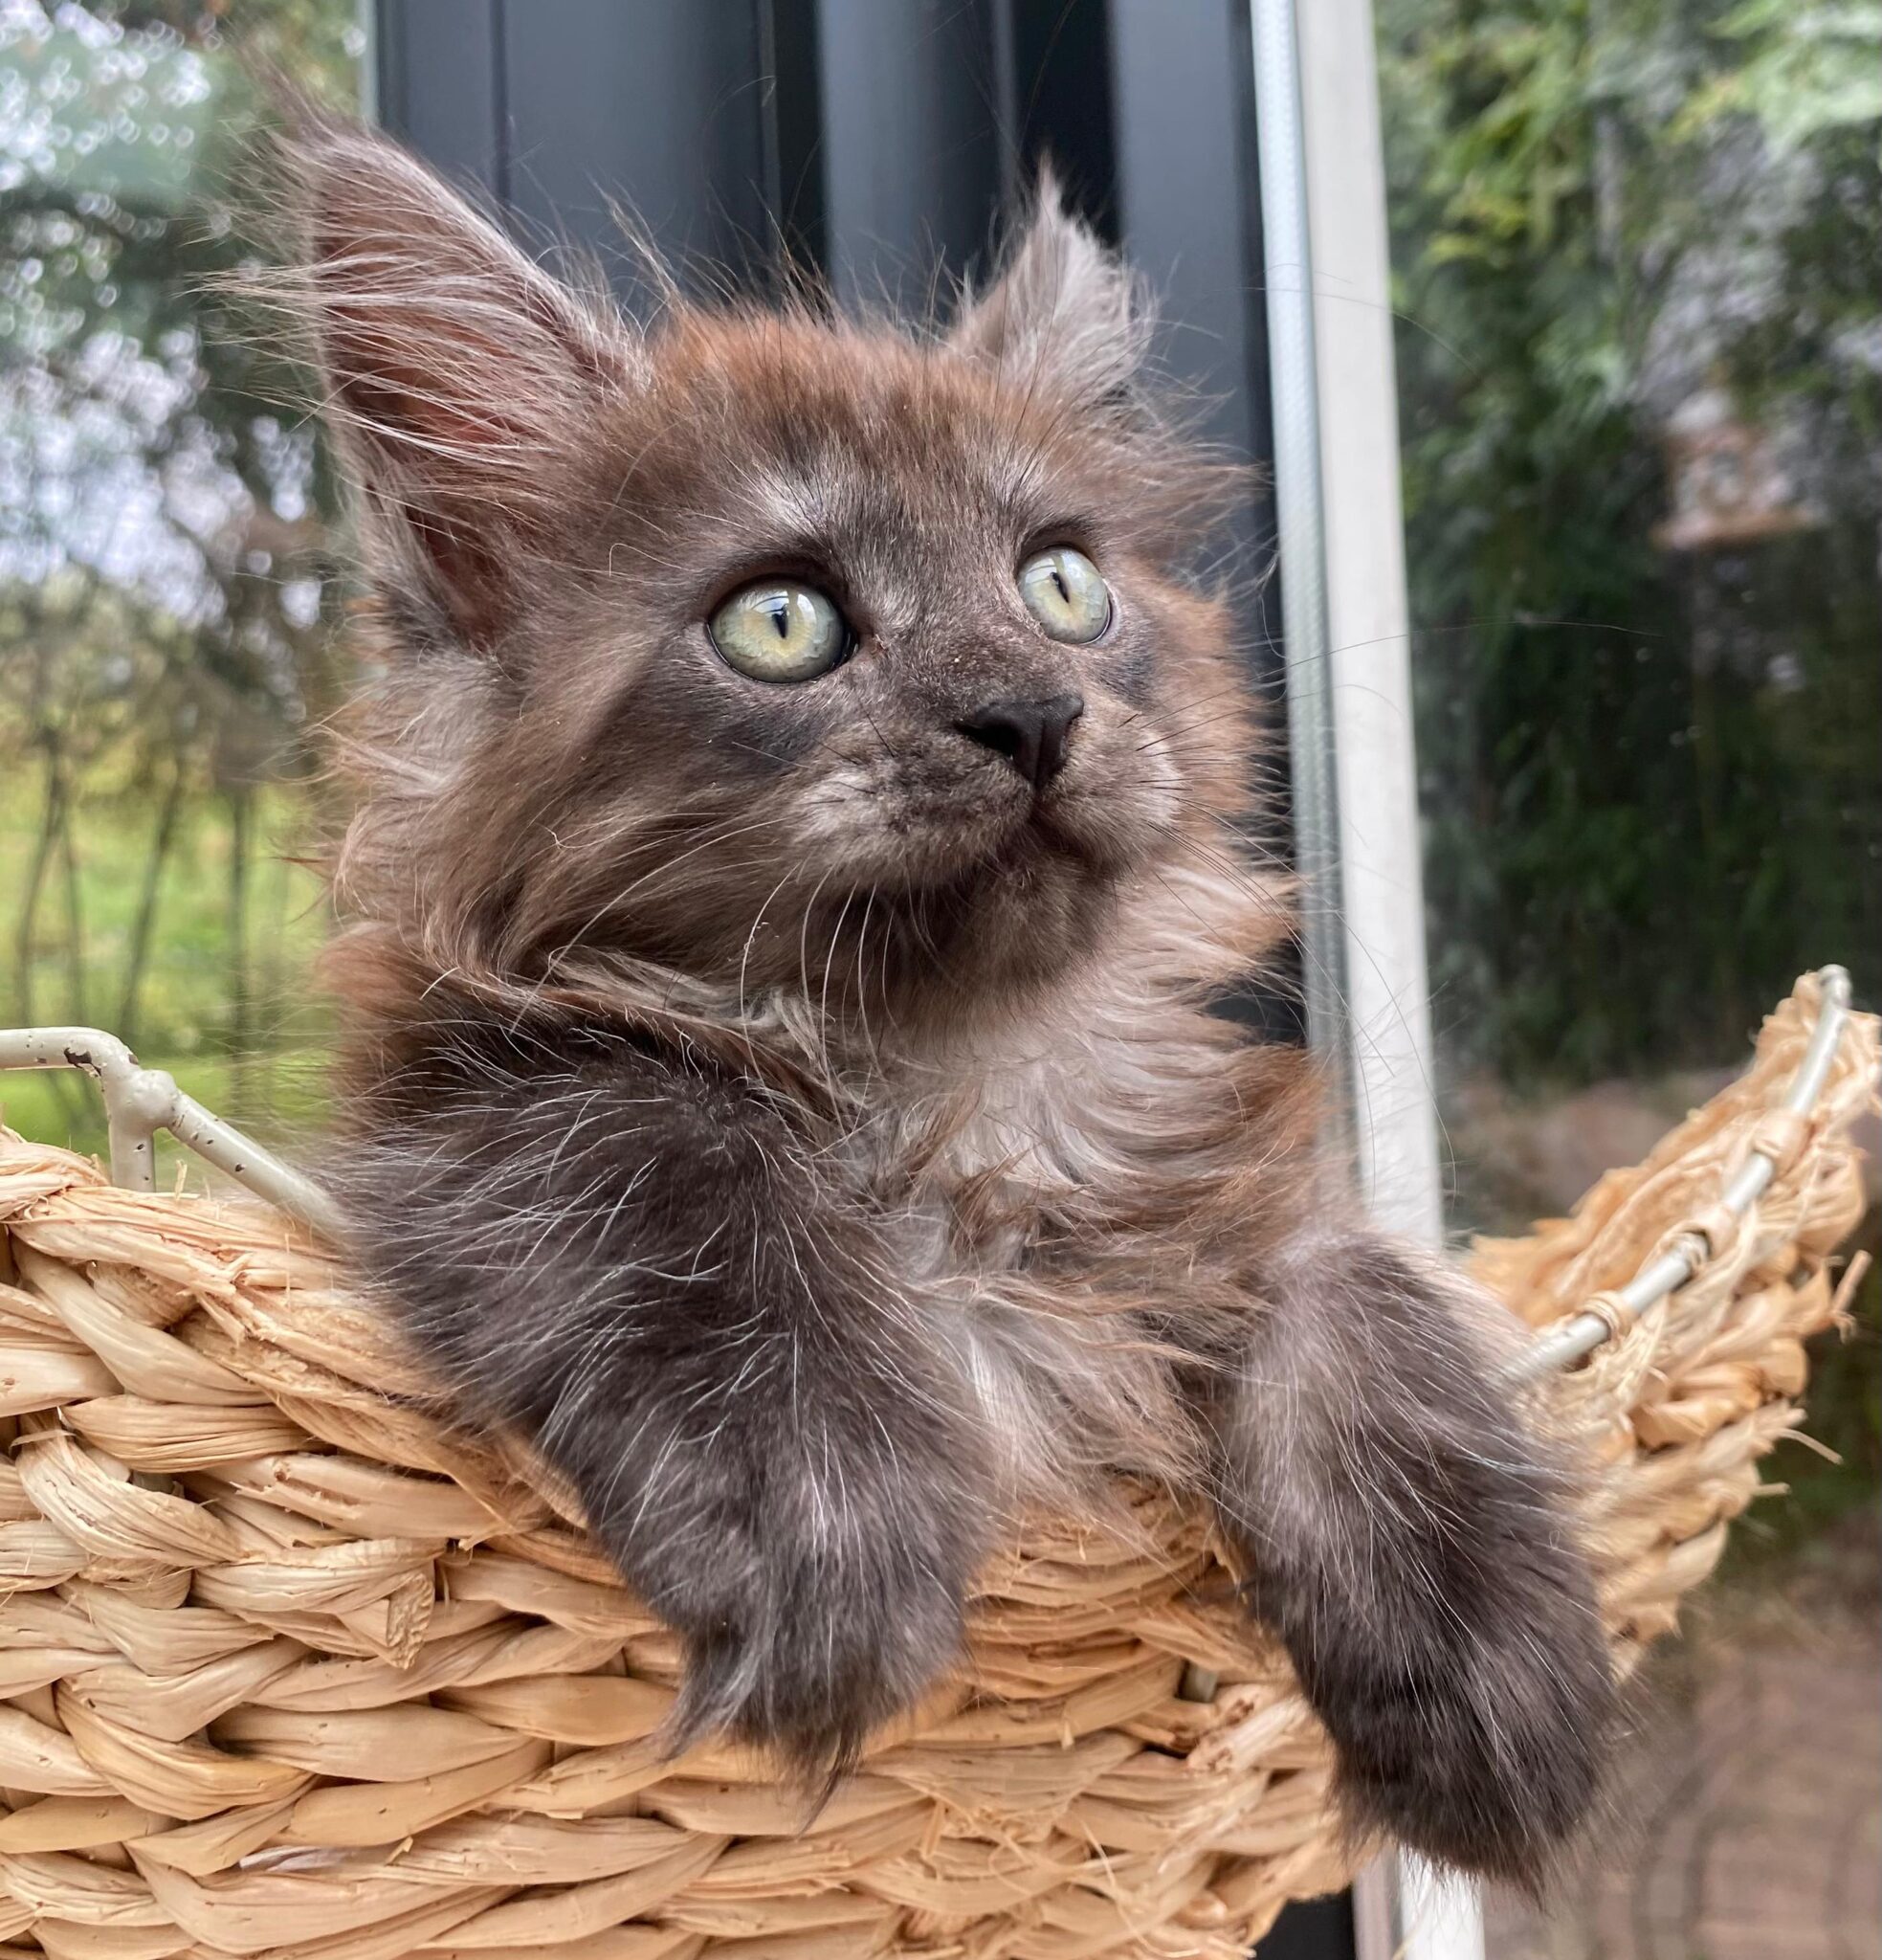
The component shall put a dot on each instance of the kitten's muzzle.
(1033, 735)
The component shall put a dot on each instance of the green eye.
(1064, 593)
(778, 630)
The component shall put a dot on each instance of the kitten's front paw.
(1413, 1544)
(815, 1603)
(813, 1648)
(1470, 1707)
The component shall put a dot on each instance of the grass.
(225, 1002)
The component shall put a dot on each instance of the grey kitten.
(794, 864)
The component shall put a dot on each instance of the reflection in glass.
(167, 571)
(1636, 250)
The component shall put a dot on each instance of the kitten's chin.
(1022, 918)
(980, 904)
(1082, 833)
(1105, 839)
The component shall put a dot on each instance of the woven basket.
(289, 1669)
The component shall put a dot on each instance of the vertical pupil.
(781, 618)
(1064, 591)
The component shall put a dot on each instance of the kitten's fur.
(816, 1141)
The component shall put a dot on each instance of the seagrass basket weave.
(287, 1668)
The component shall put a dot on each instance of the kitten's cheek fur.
(1411, 1543)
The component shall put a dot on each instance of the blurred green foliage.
(170, 559)
(1636, 245)
(1637, 248)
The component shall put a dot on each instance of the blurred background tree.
(167, 563)
(1637, 245)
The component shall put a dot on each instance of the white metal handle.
(139, 1101)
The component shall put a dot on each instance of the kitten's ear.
(1063, 313)
(458, 374)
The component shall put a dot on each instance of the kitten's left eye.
(778, 630)
(1066, 594)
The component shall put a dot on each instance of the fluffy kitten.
(793, 867)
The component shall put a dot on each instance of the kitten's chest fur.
(1051, 1185)
(1034, 1145)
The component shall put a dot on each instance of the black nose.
(1030, 734)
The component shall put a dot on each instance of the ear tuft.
(456, 370)
(1062, 313)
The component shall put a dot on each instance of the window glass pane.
(1638, 257)
(167, 563)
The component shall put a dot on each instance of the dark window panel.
(439, 84)
(1312, 1929)
(657, 105)
(790, 106)
(911, 142)
(1056, 102)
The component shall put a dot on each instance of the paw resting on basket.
(1412, 1544)
(817, 1585)
(773, 1444)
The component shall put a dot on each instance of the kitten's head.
(779, 649)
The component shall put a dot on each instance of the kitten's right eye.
(778, 630)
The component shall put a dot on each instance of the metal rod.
(1573, 1340)
(139, 1101)
(1300, 525)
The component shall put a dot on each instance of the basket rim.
(139, 1101)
